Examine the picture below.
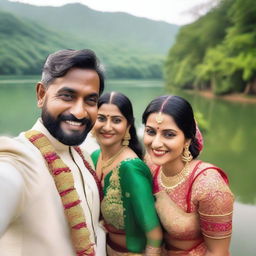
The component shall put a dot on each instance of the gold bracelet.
(215, 215)
(153, 251)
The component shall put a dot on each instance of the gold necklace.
(173, 181)
(107, 163)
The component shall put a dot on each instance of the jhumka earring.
(127, 137)
(186, 156)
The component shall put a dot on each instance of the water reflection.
(244, 230)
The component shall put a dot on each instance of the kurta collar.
(56, 144)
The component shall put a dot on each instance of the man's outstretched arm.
(11, 190)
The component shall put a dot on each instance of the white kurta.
(32, 219)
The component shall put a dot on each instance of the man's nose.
(79, 110)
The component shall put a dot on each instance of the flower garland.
(64, 182)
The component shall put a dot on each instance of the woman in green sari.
(128, 211)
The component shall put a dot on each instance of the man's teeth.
(73, 123)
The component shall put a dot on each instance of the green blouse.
(128, 202)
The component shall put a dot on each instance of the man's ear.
(40, 94)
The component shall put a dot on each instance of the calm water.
(230, 141)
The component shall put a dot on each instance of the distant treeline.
(128, 46)
(217, 52)
(24, 46)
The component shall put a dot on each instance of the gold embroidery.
(112, 205)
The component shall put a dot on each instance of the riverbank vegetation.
(217, 52)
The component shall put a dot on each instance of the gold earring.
(186, 156)
(127, 137)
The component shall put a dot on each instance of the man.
(49, 197)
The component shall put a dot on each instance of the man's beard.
(72, 138)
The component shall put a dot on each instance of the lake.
(230, 141)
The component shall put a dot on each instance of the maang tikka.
(159, 117)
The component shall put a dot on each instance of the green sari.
(128, 202)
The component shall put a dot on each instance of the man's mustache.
(70, 117)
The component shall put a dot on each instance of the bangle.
(153, 251)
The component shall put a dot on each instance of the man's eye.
(92, 101)
(150, 132)
(66, 97)
(101, 118)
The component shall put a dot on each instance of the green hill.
(23, 46)
(129, 47)
(217, 52)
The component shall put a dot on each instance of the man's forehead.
(77, 80)
(86, 74)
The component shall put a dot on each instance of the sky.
(178, 12)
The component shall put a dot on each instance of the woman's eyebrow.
(99, 114)
(148, 126)
(169, 130)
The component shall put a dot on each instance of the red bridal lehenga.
(200, 205)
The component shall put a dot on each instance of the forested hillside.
(217, 52)
(128, 46)
(23, 46)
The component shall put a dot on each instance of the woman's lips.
(159, 153)
(107, 135)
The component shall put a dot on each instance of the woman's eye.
(169, 134)
(150, 132)
(101, 118)
(116, 120)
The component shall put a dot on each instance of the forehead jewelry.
(159, 116)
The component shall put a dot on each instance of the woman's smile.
(107, 135)
(159, 153)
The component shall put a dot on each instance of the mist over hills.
(129, 47)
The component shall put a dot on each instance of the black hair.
(182, 113)
(59, 63)
(125, 107)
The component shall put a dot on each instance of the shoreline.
(235, 97)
